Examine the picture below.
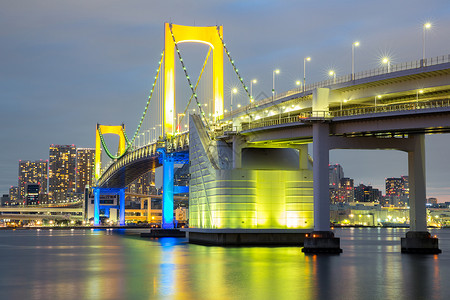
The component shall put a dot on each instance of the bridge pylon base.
(420, 242)
(322, 242)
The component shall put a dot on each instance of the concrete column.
(417, 184)
(303, 159)
(320, 177)
(122, 207)
(167, 204)
(238, 144)
(96, 206)
(320, 103)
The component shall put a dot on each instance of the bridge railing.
(304, 117)
(417, 105)
(345, 78)
(175, 143)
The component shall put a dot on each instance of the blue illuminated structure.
(168, 160)
(109, 191)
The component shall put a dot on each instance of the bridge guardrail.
(304, 117)
(347, 78)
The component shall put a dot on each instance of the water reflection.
(104, 265)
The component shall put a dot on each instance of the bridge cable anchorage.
(202, 113)
(196, 85)
(234, 66)
(128, 141)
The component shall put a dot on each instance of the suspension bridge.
(252, 180)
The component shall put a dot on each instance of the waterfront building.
(365, 193)
(144, 185)
(85, 168)
(335, 174)
(32, 172)
(5, 200)
(32, 194)
(62, 176)
(397, 191)
(346, 190)
(432, 200)
(14, 195)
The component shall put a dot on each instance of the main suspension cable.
(128, 141)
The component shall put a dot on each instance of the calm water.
(104, 265)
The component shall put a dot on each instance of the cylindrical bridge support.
(418, 239)
(167, 203)
(320, 177)
(321, 240)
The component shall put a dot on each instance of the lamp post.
(376, 97)
(160, 125)
(304, 71)
(251, 89)
(333, 73)
(388, 62)
(233, 91)
(154, 134)
(277, 71)
(178, 121)
(355, 44)
(298, 82)
(417, 96)
(425, 26)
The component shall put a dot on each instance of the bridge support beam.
(418, 239)
(121, 204)
(322, 239)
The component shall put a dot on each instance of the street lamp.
(355, 44)
(425, 26)
(154, 134)
(251, 89)
(377, 97)
(178, 121)
(388, 62)
(417, 95)
(160, 125)
(333, 73)
(233, 91)
(277, 71)
(298, 82)
(304, 71)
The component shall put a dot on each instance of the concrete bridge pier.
(322, 239)
(418, 239)
(167, 198)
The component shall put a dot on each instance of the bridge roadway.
(377, 104)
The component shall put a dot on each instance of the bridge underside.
(130, 172)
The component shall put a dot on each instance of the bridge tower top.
(177, 34)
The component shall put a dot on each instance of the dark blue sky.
(67, 65)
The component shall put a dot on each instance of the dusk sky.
(67, 65)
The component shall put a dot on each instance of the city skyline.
(99, 60)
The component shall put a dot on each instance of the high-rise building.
(365, 193)
(32, 172)
(144, 184)
(335, 174)
(346, 190)
(397, 190)
(432, 200)
(32, 194)
(62, 176)
(14, 195)
(85, 168)
(5, 200)
(394, 186)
